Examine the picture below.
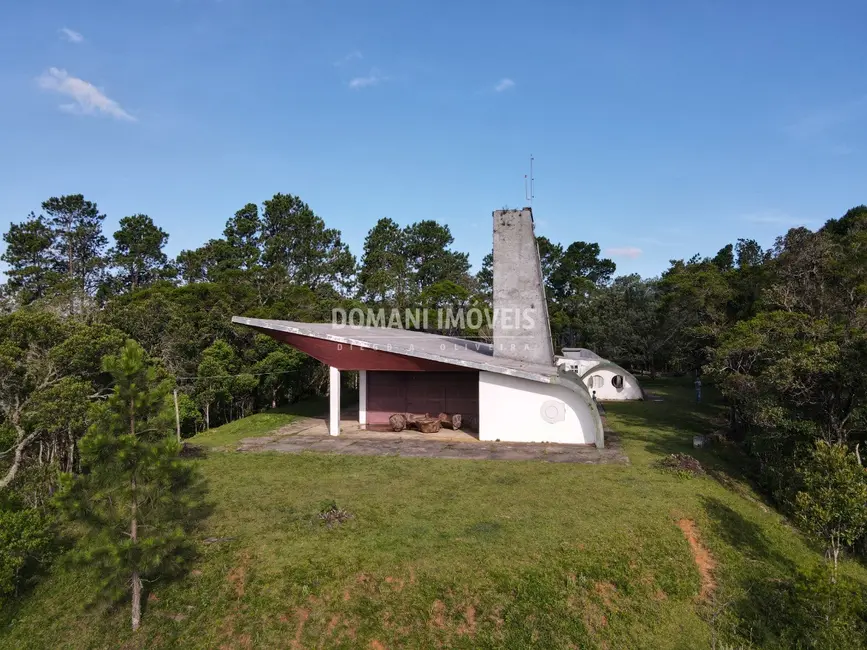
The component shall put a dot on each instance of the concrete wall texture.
(512, 409)
(519, 292)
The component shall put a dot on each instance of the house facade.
(510, 390)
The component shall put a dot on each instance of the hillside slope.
(442, 553)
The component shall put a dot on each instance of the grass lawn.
(458, 553)
(260, 424)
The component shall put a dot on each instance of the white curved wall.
(577, 365)
(607, 391)
(510, 410)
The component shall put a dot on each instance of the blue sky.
(659, 129)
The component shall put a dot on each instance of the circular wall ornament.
(553, 411)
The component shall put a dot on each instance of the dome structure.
(604, 379)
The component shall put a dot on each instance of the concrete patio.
(311, 434)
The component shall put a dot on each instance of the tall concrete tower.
(521, 327)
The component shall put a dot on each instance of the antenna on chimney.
(530, 185)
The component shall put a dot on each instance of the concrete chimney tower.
(521, 328)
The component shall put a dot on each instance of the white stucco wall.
(607, 391)
(510, 410)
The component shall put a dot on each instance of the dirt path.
(703, 559)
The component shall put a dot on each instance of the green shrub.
(832, 506)
(681, 465)
(26, 541)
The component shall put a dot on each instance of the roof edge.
(297, 328)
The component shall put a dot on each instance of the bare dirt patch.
(605, 591)
(238, 575)
(703, 559)
(593, 606)
(468, 627)
(438, 611)
(496, 617)
(302, 614)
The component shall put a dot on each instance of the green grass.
(453, 553)
(229, 434)
(261, 424)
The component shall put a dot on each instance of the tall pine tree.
(135, 496)
(77, 226)
(384, 270)
(32, 267)
(138, 252)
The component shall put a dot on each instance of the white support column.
(362, 399)
(334, 401)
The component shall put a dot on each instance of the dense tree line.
(780, 331)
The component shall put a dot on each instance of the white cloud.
(71, 35)
(503, 85)
(89, 100)
(355, 55)
(373, 79)
(623, 251)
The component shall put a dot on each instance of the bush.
(682, 465)
(332, 515)
(26, 542)
(832, 506)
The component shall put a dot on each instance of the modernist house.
(604, 379)
(511, 390)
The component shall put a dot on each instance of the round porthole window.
(596, 381)
(617, 381)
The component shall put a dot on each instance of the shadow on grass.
(744, 535)
(777, 604)
(668, 427)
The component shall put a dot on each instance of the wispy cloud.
(775, 218)
(355, 55)
(71, 35)
(88, 99)
(504, 85)
(373, 79)
(623, 251)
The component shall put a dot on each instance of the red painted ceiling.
(349, 357)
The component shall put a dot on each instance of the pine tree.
(138, 251)
(297, 240)
(384, 268)
(135, 496)
(77, 226)
(32, 267)
(243, 234)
